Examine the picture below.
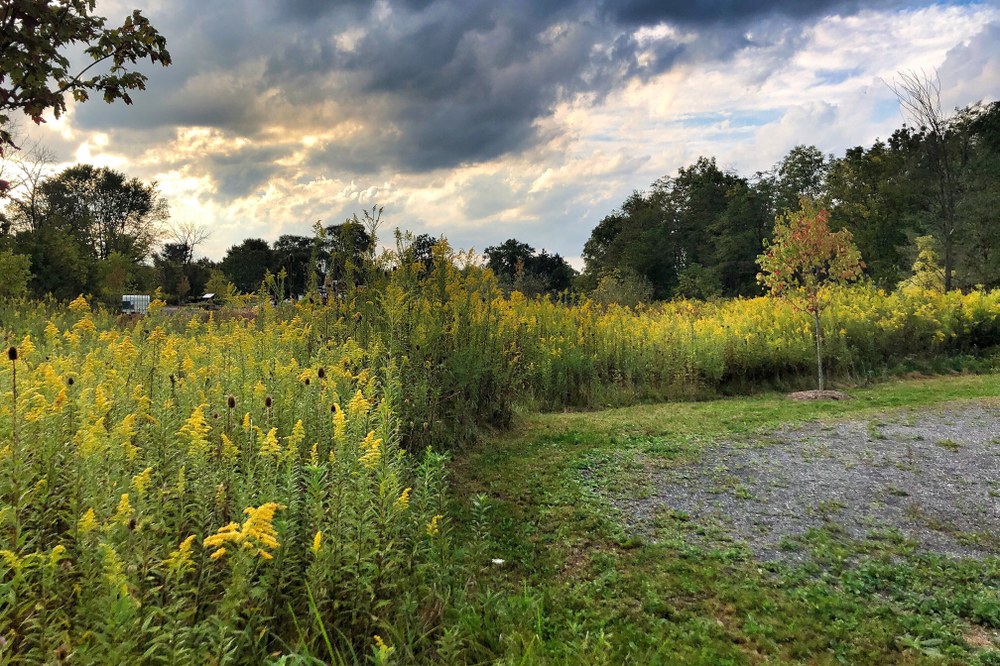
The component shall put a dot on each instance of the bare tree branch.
(189, 234)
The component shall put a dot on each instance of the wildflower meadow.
(268, 483)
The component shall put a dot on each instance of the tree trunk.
(819, 351)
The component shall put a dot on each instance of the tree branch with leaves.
(36, 73)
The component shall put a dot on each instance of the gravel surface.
(933, 475)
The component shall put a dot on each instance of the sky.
(483, 121)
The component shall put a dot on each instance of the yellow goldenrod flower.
(403, 501)
(259, 525)
(179, 560)
(140, 397)
(358, 406)
(102, 403)
(26, 347)
(141, 481)
(88, 523)
(114, 570)
(196, 428)
(372, 449)
(382, 650)
(269, 443)
(229, 450)
(257, 532)
(339, 424)
(317, 542)
(9, 558)
(79, 304)
(58, 552)
(60, 401)
(298, 435)
(124, 512)
(434, 527)
(85, 325)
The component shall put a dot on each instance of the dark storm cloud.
(242, 171)
(709, 12)
(433, 83)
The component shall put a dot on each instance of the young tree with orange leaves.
(804, 257)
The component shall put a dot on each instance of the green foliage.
(622, 287)
(702, 217)
(246, 263)
(327, 411)
(941, 181)
(518, 267)
(105, 210)
(699, 283)
(186, 490)
(115, 277)
(801, 173)
(16, 272)
(224, 290)
(872, 198)
(87, 230)
(927, 271)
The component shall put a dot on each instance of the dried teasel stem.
(15, 450)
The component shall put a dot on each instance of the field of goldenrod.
(269, 483)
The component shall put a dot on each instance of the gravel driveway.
(933, 475)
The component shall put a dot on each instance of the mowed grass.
(576, 586)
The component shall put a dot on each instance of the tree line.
(930, 193)
(90, 230)
(930, 188)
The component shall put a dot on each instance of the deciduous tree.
(803, 258)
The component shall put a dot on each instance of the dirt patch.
(932, 477)
(979, 638)
(819, 395)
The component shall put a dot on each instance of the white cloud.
(821, 85)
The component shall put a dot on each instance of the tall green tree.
(346, 250)
(801, 173)
(294, 254)
(870, 195)
(519, 267)
(246, 263)
(978, 207)
(61, 264)
(938, 152)
(106, 211)
(695, 233)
